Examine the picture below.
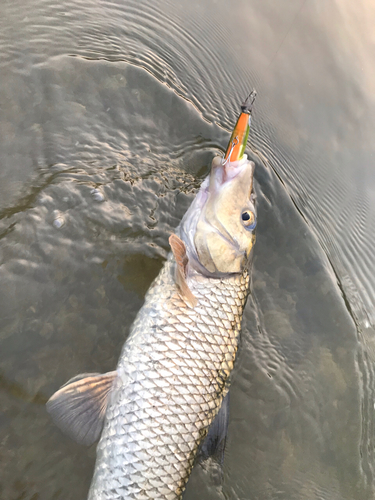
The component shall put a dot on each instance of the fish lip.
(224, 172)
(231, 171)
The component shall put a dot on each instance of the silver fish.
(153, 413)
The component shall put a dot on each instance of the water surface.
(110, 113)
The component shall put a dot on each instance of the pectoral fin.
(180, 255)
(79, 407)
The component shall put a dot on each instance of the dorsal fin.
(179, 251)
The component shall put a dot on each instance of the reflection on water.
(99, 160)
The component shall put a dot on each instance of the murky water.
(109, 115)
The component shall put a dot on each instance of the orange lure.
(240, 134)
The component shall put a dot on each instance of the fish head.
(219, 228)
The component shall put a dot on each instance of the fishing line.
(286, 34)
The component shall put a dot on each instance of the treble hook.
(234, 144)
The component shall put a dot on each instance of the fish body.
(153, 413)
(172, 377)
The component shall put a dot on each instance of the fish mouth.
(224, 171)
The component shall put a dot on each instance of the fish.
(166, 404)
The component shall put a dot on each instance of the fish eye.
(248, 219)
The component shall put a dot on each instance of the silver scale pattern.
(172, 377)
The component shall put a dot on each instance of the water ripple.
(110, 159)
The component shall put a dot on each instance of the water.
(110, 114)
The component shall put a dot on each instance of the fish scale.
(155, 422)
